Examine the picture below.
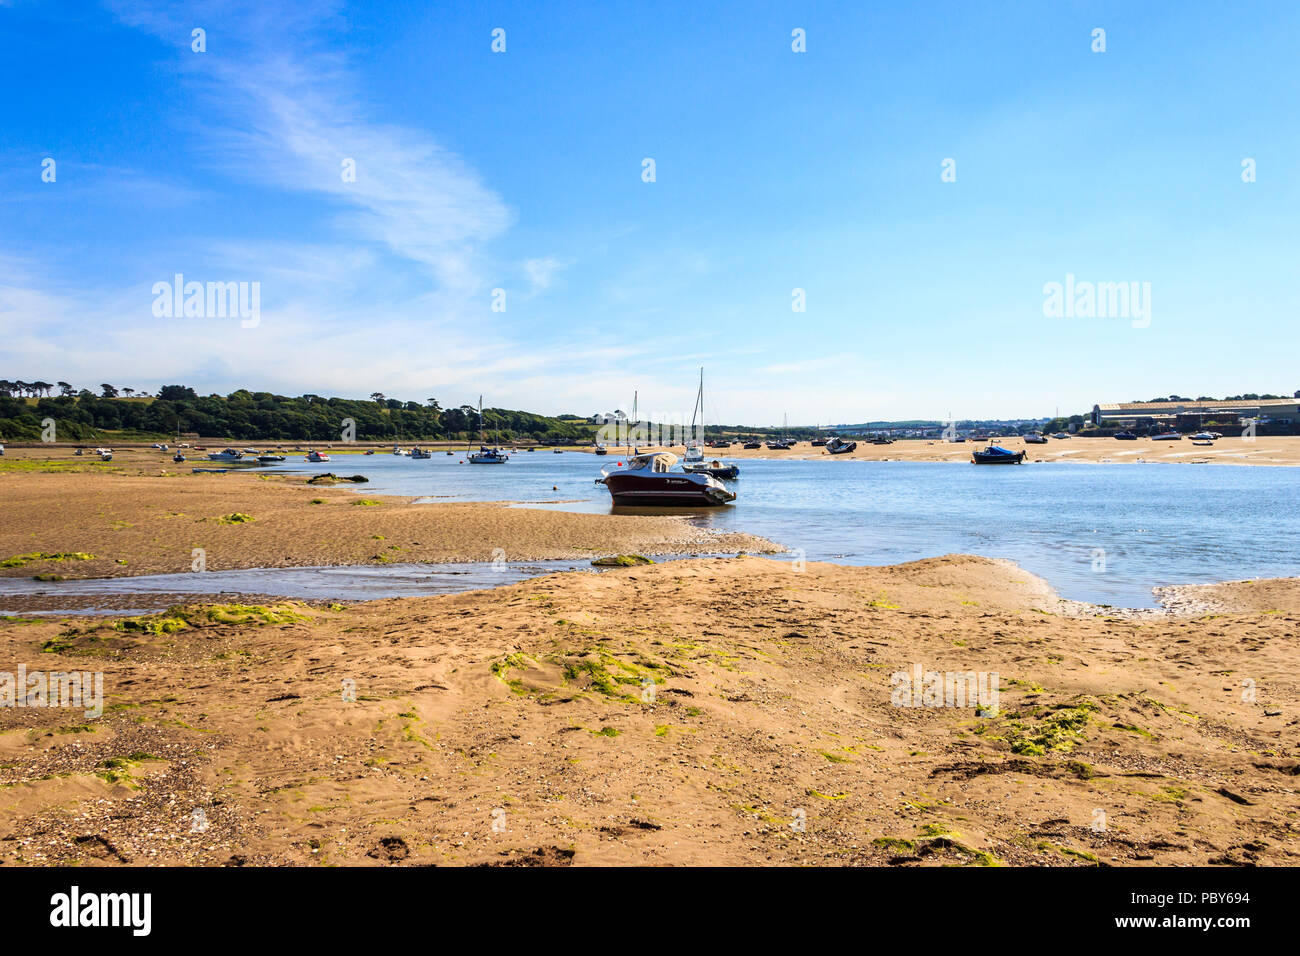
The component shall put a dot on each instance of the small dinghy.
(997, 455)
(722, 471)
(714, 468)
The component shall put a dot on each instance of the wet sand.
(150, 524)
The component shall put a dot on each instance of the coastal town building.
(1189, 414)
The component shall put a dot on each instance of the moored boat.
(418, 452)
(227, 454)
(720, 470)
(1125, 436)
(1167, 436)
(693, 463)
(838, 446)
(488, 456)
(485, 455)
(1033, 438)
(997, 455)
(316, 456)
(648, 480)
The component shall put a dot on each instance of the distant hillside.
(260, 416)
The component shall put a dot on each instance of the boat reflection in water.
(649, 480)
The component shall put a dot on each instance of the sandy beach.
(735, 710)
(1230, 450)
(1284, 450)
(720, 711)
(124, 524)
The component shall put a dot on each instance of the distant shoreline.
(1283, 450)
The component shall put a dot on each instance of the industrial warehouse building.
(1193, 415)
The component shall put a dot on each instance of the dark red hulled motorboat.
(648, 480)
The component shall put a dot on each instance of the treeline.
(261, 416)
(1248, 397)
(1064, 424)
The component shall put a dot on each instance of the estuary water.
(1097, 532)
(1101, 533)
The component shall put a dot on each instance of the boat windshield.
(661, 461)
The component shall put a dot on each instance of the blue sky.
(775, 170)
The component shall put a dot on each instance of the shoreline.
(140, 529)
(1265, 451)
(122, 525)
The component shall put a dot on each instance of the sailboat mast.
(699, 402)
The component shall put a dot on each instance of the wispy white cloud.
(541, 272)
(293, 119)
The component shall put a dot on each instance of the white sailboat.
(486, 455)
(693, 461)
